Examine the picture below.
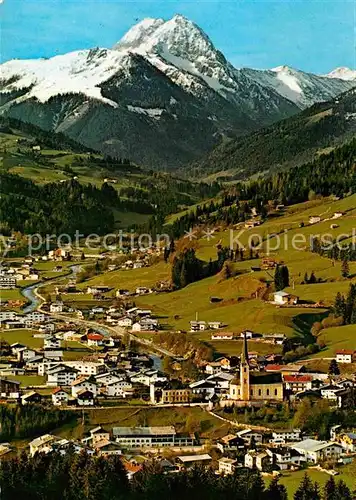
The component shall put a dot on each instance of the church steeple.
(244, 353)
(244, 372)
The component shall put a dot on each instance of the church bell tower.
(244, 372)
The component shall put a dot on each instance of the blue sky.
(313, 35)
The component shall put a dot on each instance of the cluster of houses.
(272, 451)
(9, 276)
(134, 319)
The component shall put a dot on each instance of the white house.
(226, 465)
(56, 307)
(125, 322)
(196, 326)
(60, 396)
(83, 383)
(120, 388)
(283, 436)
(25, 354)
(284, 298)
(61, 375)
(345, 356)
(51, 342)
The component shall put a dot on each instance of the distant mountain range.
(163, 96)
(288, 143)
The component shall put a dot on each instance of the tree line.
(82, 476)
(30, 420)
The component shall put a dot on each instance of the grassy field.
(184, 419)
(336, 338)
(132, 278)
(24, 336)
(291, 480)
(29, 380)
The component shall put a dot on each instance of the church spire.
(244, 353)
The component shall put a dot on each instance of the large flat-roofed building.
(144, 437)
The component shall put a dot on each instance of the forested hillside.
(288, 143)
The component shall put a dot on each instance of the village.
(83, 348)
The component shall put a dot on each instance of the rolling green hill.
(288, 143)
(51, 163)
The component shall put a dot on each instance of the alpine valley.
(163, 96)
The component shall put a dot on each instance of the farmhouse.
(314, 219)
(284, 298)
(196, 326)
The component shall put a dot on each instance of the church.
(255, 386)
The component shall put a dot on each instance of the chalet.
(247, 434)
(51, 342)
(60, 396)
(42, 444)
(81, 383)
(15, 325)
(85, 398)
(61, 375)
(125, 322)
(283, 436)
(230, 442)
(25, 354)
(58, 254)
(223, 336)
(297, 383)
(274, 338)
(9, 388)
(106, 447)
(56, 307)
(345, 356)
(257, 460)
(53, 355)
(122, 293)
(196, 326)
(98, 434)
(31, 397)
(204, 389)
(284, 298)
(214, 325)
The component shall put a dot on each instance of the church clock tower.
(244, 372)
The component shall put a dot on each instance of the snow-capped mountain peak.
(343, 73)
(139, 33)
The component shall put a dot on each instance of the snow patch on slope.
(151, 112)
(79, 72)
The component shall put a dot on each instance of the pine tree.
(275, 491)
(345, 269)
(307, 490)
(334, 368)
